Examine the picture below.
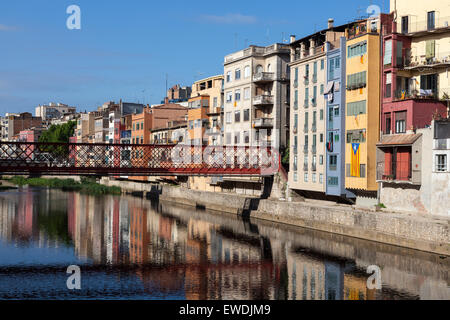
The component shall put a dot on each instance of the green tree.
(59, 133)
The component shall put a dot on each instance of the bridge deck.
(23, 158)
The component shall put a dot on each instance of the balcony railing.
(305, 129)
(333, 167)
(306, 103)
(314, 149)
(424, 26)
(398, 171)
(305, 149)
(314, 128)
(314, 78)
(305, 167)
(264, 77)
(313, 167)
(263, 123)
(263, 100)
(440, 59)
(441, 144)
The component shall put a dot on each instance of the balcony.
(305, 149)
(441, 24)
(398, 172)
(306, 103)
(305, 129)
(263, 123)
(305, 167)
(214, 111)
(314, 149)
(264, 77)
(306, 80)
(313, 167)
(314, 128)
(440, 59)
(263, 100)
(314, 78)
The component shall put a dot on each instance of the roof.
(399, 139)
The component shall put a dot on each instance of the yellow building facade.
(362, 104)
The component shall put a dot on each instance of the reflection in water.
(132, 248)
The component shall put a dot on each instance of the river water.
(133, 248)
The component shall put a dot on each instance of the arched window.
(259, 69)
(269, 68)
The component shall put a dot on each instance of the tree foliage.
(59, 133)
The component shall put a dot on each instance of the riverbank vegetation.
(86, 185)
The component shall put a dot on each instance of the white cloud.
(232, 18)
(7, 28)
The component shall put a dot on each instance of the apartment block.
(362, 122)
(212, 88)
(178, 93)
(198, 120)
(416, 87)
(316, 124)
(20, 122)
(256, 106)
(53, 111)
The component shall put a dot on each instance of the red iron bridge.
(28, 158)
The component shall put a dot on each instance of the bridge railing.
(128, 159)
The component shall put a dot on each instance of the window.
(246, 93)
(400, 122)
(333, 163)
(387, 60)
(237, 74)
(405, 24)
(306, 177)
(215, 102)
(431, 20)
(246, 114)
(357, 49)
(314, 179)
(295, 122)
(356, 136)
(336, 111)
(306, 97)
(295, 77)
(237, 138)
(321, 160)
(228, 138)
(314, 101)
(229, 96)
(387, 121)
(246, 137)
(356, 108)
(321, 114)
(356, 80)
(229, 76)
(295, 163)
(333, 181)
(322, 64)
(441, 162)
(321, 137)
(247, 71)
(321, 89)
(295, 99)
(237, 116)
(228, 117)
(259, 69)
(307, 71)
(388, 88)
(321, 178)
(237, 95)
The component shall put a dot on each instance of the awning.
(330, 86)
(398, 140)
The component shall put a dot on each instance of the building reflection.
(178, 250)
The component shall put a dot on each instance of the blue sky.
(126, 47)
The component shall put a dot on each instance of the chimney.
(330, 23)
(292, 38)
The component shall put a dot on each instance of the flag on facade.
(355, 160)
